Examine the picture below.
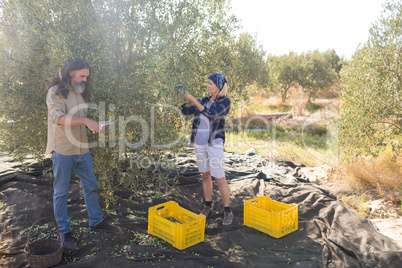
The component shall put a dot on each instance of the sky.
(281, 26)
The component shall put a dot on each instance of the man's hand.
(92, 125)
(69, 120)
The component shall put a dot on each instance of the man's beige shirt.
(66, 140)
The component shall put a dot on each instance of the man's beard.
(78, 87)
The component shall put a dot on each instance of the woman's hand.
(181, 98)
(180, 93)
(194, 101)
(190, 98)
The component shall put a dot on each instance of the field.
(371, 186)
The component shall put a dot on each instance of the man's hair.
(63, 79)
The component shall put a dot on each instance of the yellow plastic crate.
(187, 230)
(271, 217)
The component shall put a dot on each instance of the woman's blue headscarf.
(218, 79)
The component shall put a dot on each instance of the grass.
(260, 104)
(284, 108)
(308, 145)
(375, 176)
(311, 107)
(302, 147)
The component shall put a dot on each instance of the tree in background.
(312, 71)
(31, 53)
(138, 52)
(370, 116)
(319, 71)
(249, 62)
(285, 72)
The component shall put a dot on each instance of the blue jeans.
(82, 165)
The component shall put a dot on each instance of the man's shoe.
(68, 242)
(227, 218)
(205, 211)
(103, 226)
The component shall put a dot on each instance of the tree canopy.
(371, 93)
(138, 51)
(312, 71)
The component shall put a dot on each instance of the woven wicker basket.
(44, 252)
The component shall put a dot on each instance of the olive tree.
(285, 72)
(138, 51)
(319, 71)
(371, 90)
(312, 71)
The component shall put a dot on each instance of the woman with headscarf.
(208, 137)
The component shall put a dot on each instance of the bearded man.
(67, 101)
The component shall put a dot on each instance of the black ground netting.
(329, 234)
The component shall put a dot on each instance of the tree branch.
(395, 125)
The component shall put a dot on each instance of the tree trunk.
(284, 93)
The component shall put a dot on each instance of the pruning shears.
(180, 88)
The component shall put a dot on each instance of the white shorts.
(210, 158)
